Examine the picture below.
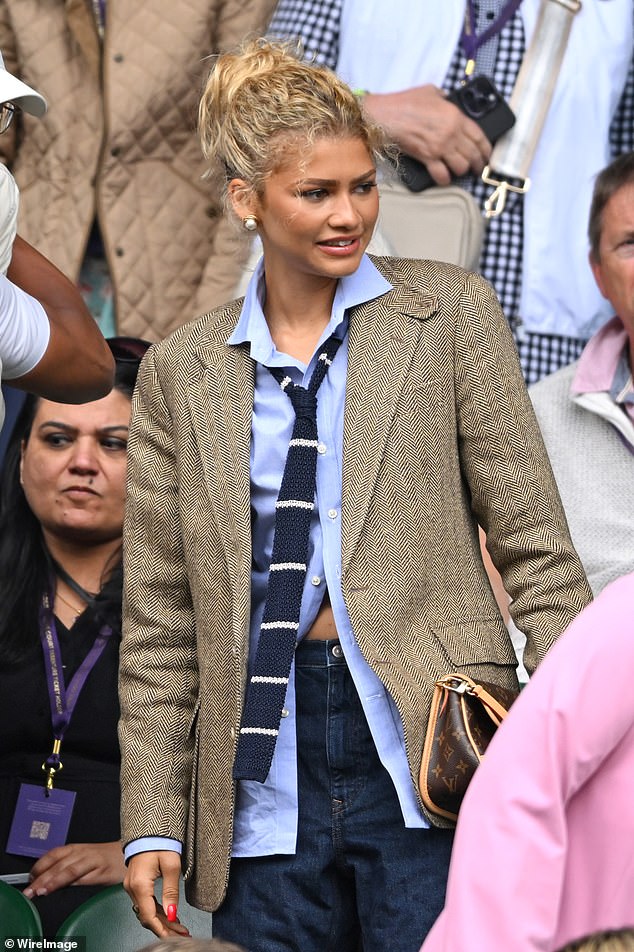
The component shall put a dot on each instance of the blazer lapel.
(380, 351)
(224, 441)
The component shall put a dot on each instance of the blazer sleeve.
(513, 491)
(158, 668)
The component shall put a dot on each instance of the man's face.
(613, 269)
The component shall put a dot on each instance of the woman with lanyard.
(307, 469)
(61, 515)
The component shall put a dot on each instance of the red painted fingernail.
(171, 913)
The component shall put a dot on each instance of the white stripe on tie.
(279, 624)
(293, 504)
(282, 566)
(259, 730)
(264, 679)
(311, 444)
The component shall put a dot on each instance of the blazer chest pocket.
(424, 407)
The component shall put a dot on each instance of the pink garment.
(544, 850)
(598, 362)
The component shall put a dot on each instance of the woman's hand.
(77, 864)
(142, 872)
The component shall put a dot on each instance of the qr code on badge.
(39, 830)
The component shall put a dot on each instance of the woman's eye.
(114, 443)
(57, 439)
(366, 187)
(314, 194)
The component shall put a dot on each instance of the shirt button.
(284, 712)
(321, 448)
(337, 651)
(332, 513)
(315, 580)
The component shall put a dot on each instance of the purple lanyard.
(99, 10)
(470, 40)
(63, 699)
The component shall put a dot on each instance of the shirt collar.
(603, 366)
(365, 284)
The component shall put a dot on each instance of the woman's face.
(74, 465)
(319, 208)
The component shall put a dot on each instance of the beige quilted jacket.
(439, 435)
(129, 154)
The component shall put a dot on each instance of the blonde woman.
(308, 467)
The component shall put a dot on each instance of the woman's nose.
(345, 213)
(84, 457)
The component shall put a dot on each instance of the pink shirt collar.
(600, 359)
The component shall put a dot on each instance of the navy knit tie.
(267, 686)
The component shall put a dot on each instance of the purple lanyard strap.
(63, 699)
(470, 40)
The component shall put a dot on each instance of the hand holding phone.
(477, 98)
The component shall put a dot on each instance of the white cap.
(14, 90)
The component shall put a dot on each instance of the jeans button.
(337, 651)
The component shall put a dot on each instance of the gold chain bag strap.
(464, 717)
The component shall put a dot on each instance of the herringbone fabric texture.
(287, 572)
(439, 435)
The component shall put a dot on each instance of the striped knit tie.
(267, 686)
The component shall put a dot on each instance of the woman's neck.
(87, 565)
(296, 316)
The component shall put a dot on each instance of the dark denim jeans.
(359, 879)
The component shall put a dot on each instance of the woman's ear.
(242, 198)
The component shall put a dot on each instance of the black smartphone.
(479, 99)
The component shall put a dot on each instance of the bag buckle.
(496, 202)
(453, 683)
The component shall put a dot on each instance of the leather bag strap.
(494, 709)
(530, 100)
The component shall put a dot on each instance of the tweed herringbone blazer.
(439, 435)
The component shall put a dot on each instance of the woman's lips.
(340, 246)
(79, 490)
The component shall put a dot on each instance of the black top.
(90, 752)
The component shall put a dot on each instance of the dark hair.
(24, 559)
(614, 176)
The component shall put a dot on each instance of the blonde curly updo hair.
(262, 100)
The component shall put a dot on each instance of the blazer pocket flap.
(477, 641)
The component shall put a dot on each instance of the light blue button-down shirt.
(266, 813)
